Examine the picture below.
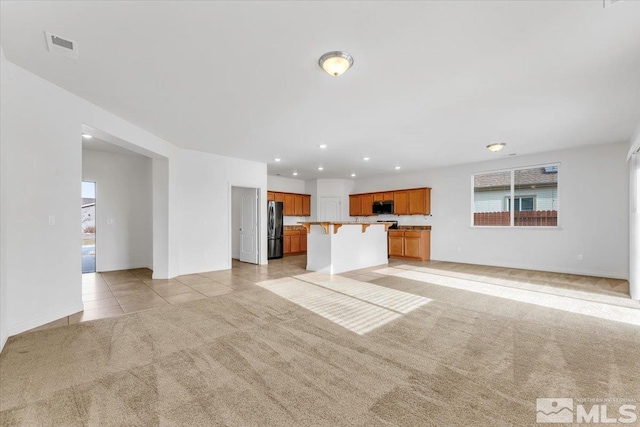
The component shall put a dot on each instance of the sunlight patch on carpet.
(357, 306)
(566, 303)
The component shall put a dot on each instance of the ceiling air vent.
(61, 46)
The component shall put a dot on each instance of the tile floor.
(115, 293)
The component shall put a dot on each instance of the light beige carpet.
(253, 358)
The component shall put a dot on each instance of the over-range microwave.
(382, 208)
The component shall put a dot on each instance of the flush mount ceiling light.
(320, 168)
(86, 135)
(295, 174)
(496, 147)
(397, 167)
(366, 159)
(277, 159)
(323, 146)
(336, 63)
(353, 174)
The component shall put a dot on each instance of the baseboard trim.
(122, 268)
(579, 272)
(3, 341)
(44, 319)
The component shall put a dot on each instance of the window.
(533, 191)
(521, 203)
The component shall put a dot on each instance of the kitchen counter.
(335, 225)
(414, 227)
(336, 247)
(294, 228)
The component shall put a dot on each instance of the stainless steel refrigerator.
(275, 238)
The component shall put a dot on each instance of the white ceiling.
(97, 144)
(432, 83)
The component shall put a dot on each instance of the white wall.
(593, 214)
(204, 184)
(285, 185)
(124, 210)
(338, 188)
(41, 171)
(4, 138)
(311, 188)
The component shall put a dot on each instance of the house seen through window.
(523, 197)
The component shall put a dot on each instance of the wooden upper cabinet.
(293, 204)
(417, 201)
(366, 200)
(289, 208)
(298, 204)
(306, 205)
(400, 202)
(355, 205)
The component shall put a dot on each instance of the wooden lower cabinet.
(396, 243)
(286, 244)
(410, 244)
(295, 242)
(303, 241)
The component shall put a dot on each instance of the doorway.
(330, 208)
(244, 224)
(88, 227)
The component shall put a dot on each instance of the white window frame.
(522, 196)
(512, 196)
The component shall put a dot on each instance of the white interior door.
(329, 209)
(249, 227)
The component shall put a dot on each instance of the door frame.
(328, 198)
(261, 210)
(95, 220)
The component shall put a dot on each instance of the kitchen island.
(336, 247)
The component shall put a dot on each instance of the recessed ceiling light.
(295, 174)
(366, 158)
(322, 145)
(86, 135)
(397, 167)
(277, 159)
(353, 174)
(320, 168)
(496, 147)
